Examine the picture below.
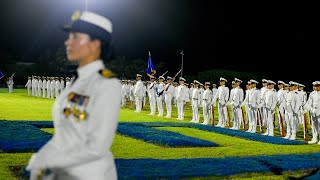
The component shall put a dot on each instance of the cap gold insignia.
(76, 15)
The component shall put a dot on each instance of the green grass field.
(20, 106)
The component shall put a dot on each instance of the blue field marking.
(208, 167)
(20, 136)
(229, 132)
(161, 137)
(25, 136)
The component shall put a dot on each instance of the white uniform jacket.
(83, 136)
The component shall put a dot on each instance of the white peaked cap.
(223, 79)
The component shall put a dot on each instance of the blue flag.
(151, 70)
(1, 75)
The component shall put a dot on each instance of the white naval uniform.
(48, 88)
(181, 99)
(44, 87)
(138, 93)
(263, 91)
(168, 94)
(223, 96)
(57, 88)
(253, 105)
(10, 85)
(28, 85)
(152, 97)
(160, 97)
(293, 104)
(32, 86)
(81, 149)
(236, 102)
(271, 102)
(281, 106)
(195, 102)
(207, 106)
(39, 87)
(313, 105)
(36, 82)
(52, 88)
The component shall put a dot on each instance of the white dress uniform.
(67, 83)
(85, 120)
(263, 91)
(28, 85)
(253, 105)
(222, 96)
(231, 94)
(32, 86)
(123, 94)
(10, 85)
(48, 88)
(36, 82)
(152, 97)
(206, 106)
(52, 87)
(181, 99)
(281, 105)
(44, 87)
(62, 85)
(271, 102)
(160, 98)
(168, 94)
(39, 87)
(236, 102)
(57, 87)
(313, 106)
(195, 102)
(293, 104)
(138, 93)
(303, 97)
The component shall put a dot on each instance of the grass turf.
(20, 106)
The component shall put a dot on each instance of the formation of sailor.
(261, 109)
(46, 87)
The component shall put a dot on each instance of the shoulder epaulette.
(106, 73)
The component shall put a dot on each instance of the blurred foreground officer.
(85, 115)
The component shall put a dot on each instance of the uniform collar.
(90, 68)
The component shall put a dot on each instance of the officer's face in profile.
(80, 47)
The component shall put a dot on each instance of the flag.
(151, 70)
(1, 75)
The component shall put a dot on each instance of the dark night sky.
(236, 35)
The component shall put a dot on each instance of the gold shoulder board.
(106, 73)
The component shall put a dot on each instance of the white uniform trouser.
(44, 93)
(32, 91)
(48, 93)
(52, 93)
(10, 88)
(144, 101)
(291, 124)
(222, 110)
(160, 105)
(56, 92)
(123, 101)
(152, 102)
(281, 112)
(264, 115)
(180, 104)
(206, 107)
(39, 92)
(253, 118)
(138, 103)
(28, 91)
(269, 124)
(195, 111)
(315, 127)
(168, 101)
(236, 117)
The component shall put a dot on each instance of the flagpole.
(182, 63)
